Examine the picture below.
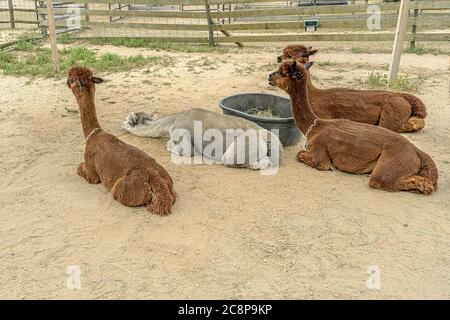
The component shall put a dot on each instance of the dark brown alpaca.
(399, 112)
(395, 163)
(298, 52)
(133, 177)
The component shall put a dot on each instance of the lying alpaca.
(258, 155)
(399, 112)
(394, 163)
(132, 176)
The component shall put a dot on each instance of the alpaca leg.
(316, 156)
(89, 174)
(393, 118)
(258, 155)
(162, 197)
(180, 149)
(413, 124)
(231, 157)
(418, 184)
(397, 169)
(168, 180)
(132, 190)
(143, 125)
(135, 118)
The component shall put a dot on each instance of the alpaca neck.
(311, 89)
(301, 108)
(87, 111)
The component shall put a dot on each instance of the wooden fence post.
(412, 44)
(209, 20)
(11, 14)
(398, 40)
(52, 34)
(86, 7)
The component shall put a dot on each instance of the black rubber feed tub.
(240, 104)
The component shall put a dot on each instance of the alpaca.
(256, 155)
(398, 112)
(393, 162)
(133, 177)
(298, 52)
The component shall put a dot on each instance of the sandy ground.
(233, 233)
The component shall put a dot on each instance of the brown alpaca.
(298, 52)
(398, 112)
(395, 163)
(133, 177)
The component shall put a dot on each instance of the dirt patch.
(233, 233)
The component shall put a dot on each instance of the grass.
(324, 63)
(419, 50)
(158, 45)
(64, 38)
(379, 80)
(203, 63)
(358, 50)
(262, 111)
(336, 78)
(33, 60)
(271, 66)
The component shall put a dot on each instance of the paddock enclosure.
(233, 21)
(233, 233)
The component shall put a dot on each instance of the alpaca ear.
(310, 52)
(97, 80)
(293, 69)
(309, 64)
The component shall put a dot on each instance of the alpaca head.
(81, 79)
(289, 74)
(298, 52)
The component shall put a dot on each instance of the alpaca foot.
(417, 183)
(308, 158)
(161, 204)
(174, 197)
(178, 149)
(413, 124)
(136, 118)
(262, 164)
(91, 177)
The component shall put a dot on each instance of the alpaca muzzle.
(272, 78)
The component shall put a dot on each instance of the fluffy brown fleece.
(298, 52)
(395, 163)
(398, 112)
(133, 177)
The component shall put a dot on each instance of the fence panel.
(18, 14)
(224, 21)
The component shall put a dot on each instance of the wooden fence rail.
(285, 23)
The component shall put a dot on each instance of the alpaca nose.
(271, 76)
(279, 59)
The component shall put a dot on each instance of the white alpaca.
(243, 143)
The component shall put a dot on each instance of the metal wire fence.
(228, 21)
